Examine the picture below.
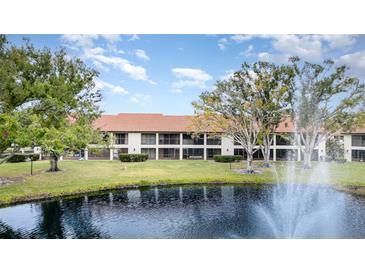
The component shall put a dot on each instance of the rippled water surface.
(191, 212)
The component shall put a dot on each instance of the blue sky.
(165, 73)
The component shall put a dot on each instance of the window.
(240, 151)
(121, 138)
(148, 139)
(98, 154)
(214, 141)
(151, 152)
(287, 154)
(118, 151)
(189, 140)
(358, 140)
(358, 155)
(284, 140)
(168, 154)
(213, 151)
(193, 153)
(169, 139)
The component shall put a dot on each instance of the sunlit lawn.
(85, 176)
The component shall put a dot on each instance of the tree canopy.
(47, 99)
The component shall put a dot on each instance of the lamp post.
(31, 165)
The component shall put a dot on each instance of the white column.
(111, 154)
(157, 138)
(181, 149)
(205, 146)
(347, 146)
(274, 148)
(86, 154)
(322, 150)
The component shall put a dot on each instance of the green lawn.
(86, 176)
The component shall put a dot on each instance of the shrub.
(17, 158)
(340, 160)
(124, 157)
(335, 150)
(227, 158)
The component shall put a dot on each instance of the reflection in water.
(170, 212)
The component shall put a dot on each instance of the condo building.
(167, 137)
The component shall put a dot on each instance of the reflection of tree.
(78, 218)
(6, 232)
(50, 224)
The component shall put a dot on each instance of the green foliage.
(17, 158)
(124, 157)
(46, 99)
(227, 158)
(335, 151)
(326, 101)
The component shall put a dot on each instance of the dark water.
(182, 212)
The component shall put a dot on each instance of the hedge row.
(227, 158)
(124, 157)
(340, 160)
(17, 158)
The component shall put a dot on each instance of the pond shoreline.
(355, 190)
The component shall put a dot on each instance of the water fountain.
(312, 209)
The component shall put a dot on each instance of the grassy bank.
(86, 176)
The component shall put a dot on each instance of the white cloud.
(239, 38)
(134, 72)
(99, 84)
(354, 60)
(100, 66)
(140, 53)
(228, 74)
(222, 43)
(79, 40)
(111, 38)
(306, 47)
(91, 51)
(101, 60)
(134, 37)
(87, 40)
(339, 41)
(189, 77)
(140, 97)
(248, 51)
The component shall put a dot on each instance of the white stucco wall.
(134, 142)
(227, 146)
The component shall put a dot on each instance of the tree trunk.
(54, 163)
(266, 152)
(307, 160)
(249, 163)
(6, 158)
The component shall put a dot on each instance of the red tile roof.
(138, 122)
(156, 122)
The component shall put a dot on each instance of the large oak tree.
(47, 99)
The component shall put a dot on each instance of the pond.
(219, 211)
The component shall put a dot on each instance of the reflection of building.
(166, 137)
